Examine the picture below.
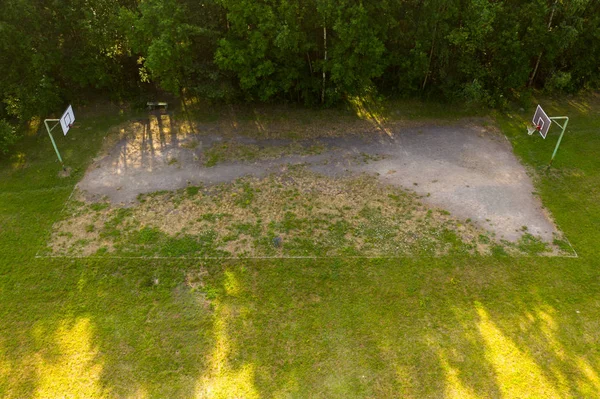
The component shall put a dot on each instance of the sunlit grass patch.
(517, 372)
(76, 368)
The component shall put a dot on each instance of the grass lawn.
(442, 327)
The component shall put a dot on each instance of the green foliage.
(54, 53)
(559, 82)
(357, 54)
(312, 52)
(174, 43)
(8, 136)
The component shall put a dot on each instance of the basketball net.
(532, 128)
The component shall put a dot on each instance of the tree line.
(306, 51)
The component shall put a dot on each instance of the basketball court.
(467, 169)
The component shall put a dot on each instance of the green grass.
(457, 326)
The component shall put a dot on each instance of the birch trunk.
(430, 58)
(539, 58)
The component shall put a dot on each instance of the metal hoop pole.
(564, 127)
(52, 138)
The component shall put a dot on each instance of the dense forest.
(306, 51)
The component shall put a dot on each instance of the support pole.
(563, 127)
(49, 129)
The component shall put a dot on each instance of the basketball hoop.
(66, 121)
(531, 128)
(541, 122)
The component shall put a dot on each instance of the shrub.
(8, 136)
(559, 82)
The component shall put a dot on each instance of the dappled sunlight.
(517, 373)
(569, 372)
(455, 389)
(186, 128)
(150, 143)
(549, 328)
(75, 371)
(366, 110)
(18, 160)
(33, 126)
(231, 284)
(222, 380)
(580, 106)
(260, 126)
(162, 123)
(140, 393)
(592, 385)
(5, 365)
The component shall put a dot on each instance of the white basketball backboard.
(67, 120)
(542, 121)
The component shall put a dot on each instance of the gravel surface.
(467, 169)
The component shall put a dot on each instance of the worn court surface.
(467, 168)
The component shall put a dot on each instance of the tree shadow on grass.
(104, 329)
(439, 327)
(93, 328)
(453, 328)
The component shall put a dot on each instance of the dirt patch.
(297, 213)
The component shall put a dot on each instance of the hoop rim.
(532, 127)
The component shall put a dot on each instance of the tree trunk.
(539, 58)
(430, 58)
(537, 64)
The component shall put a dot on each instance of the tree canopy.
(306, 51)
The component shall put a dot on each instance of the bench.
(153, 105)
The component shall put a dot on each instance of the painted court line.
(73, 257)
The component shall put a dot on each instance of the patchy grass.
(309, 214)
(234, 151)
(421, 327)
(290, 122)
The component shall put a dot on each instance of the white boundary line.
(215, 257)
(570, 245)
(553, 221)
(38, 256)
(240, 258)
